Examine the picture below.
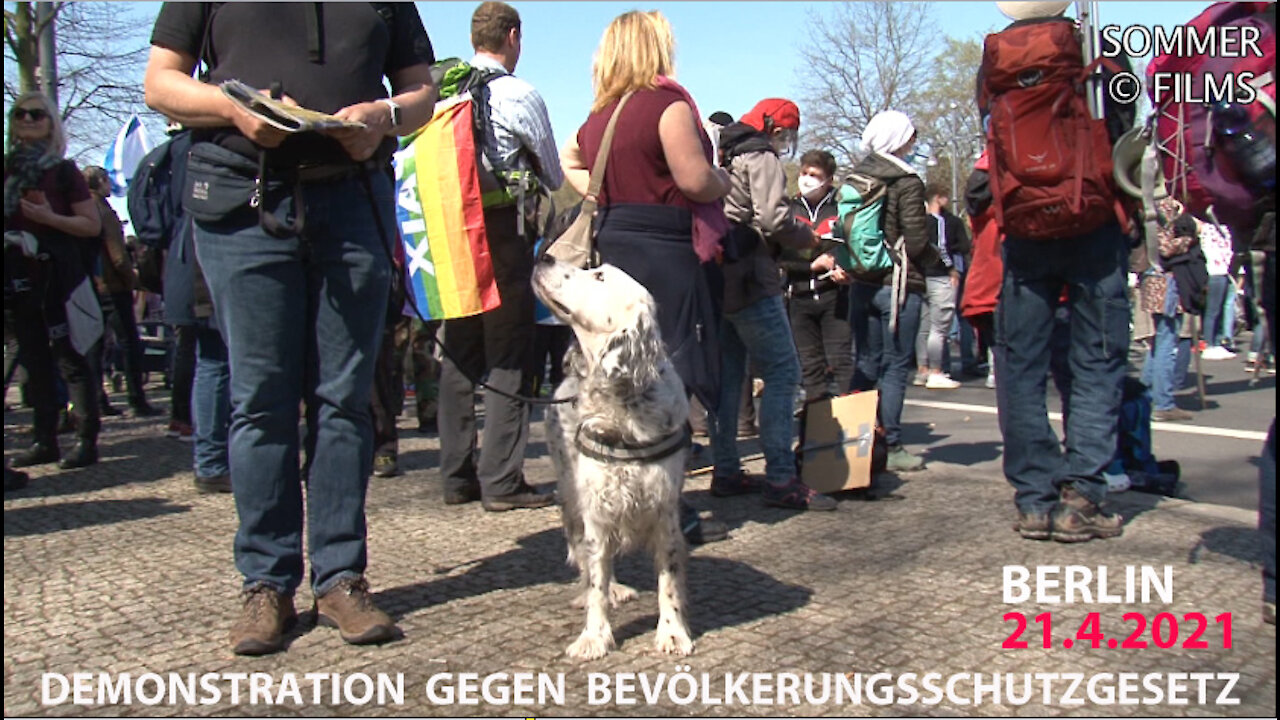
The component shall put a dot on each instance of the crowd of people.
(285, 285)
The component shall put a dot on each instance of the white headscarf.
(887, 131)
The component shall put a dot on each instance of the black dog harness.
(610, 446)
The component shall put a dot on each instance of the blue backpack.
(155, 195)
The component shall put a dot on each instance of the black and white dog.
(619, 449)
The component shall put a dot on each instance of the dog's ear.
(631, 356)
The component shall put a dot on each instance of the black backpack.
(155, 202)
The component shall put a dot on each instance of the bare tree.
(949, 120)
(102, 52)
(862, 58)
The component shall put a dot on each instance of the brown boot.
(349, 607)
(1077, 519)
(264, 619)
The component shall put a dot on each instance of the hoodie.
(904, 216)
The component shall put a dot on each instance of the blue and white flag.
(125, 153)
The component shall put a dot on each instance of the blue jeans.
(1092, 268)
(759, 331)
(884, 357)
(302, 318)
(1160, 371)
(211, 403)
(1215, 310)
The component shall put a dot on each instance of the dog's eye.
(598, 275)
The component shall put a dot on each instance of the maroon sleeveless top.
(637, 169)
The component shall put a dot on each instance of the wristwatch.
(395, 111)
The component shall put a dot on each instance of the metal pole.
(47, 51)
(1088, 12)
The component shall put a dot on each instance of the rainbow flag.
(441, 219)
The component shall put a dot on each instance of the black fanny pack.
(225, 187)
(222, 186)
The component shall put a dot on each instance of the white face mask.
(811, 187)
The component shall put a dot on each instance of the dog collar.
(608, 446)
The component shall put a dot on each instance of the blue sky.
(729, 54)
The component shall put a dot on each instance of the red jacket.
(986, 272)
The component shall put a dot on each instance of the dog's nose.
(546, 259)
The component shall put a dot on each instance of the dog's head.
(612, 316)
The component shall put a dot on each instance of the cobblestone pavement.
(124, 568)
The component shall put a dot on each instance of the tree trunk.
(23, 42)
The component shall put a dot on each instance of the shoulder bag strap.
(602, 158)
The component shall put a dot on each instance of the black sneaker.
(38, 454)
(1079, 520)
(143, 409)
(386, 466)
(1034, 526)
(740, 483)
(525, 497)
(462, 495)
(795, 495)
(14, 479)
(213, 484)
(84, 454)
(109, 410)
(698, 530)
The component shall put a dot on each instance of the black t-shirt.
(325, 56)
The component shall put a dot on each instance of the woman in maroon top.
(658, 178)
(658, 173)
(46, 198)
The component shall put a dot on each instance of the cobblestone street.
(124, 568)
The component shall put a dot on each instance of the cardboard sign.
(839, 437)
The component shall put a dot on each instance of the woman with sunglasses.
(46, 199)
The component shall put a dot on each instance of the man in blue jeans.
(294, 234)
(1059, 494)
(755, 324)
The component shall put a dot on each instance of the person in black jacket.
(818, 305)
(885, 307)
(943, 276)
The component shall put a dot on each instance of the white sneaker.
(1217, 352)
(991, 382)
(938, 381)
(920, 380)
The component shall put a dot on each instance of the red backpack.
(1199, 171)
(1050, 161)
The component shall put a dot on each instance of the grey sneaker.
(902, 461)
(1079, 520)
(1033, 526)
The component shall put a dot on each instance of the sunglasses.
(33, 114)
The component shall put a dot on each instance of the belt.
(330, 173)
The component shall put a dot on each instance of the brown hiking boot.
(264, 619)
(1033, 525)
(1079, 520)
(349, 607)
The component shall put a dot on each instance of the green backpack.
(860, 204)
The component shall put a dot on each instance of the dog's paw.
(618, 594)
(673, 642)
(590, 646)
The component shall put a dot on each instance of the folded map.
(288, 118)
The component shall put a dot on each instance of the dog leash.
(413, 304)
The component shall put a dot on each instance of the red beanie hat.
(781, 111)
